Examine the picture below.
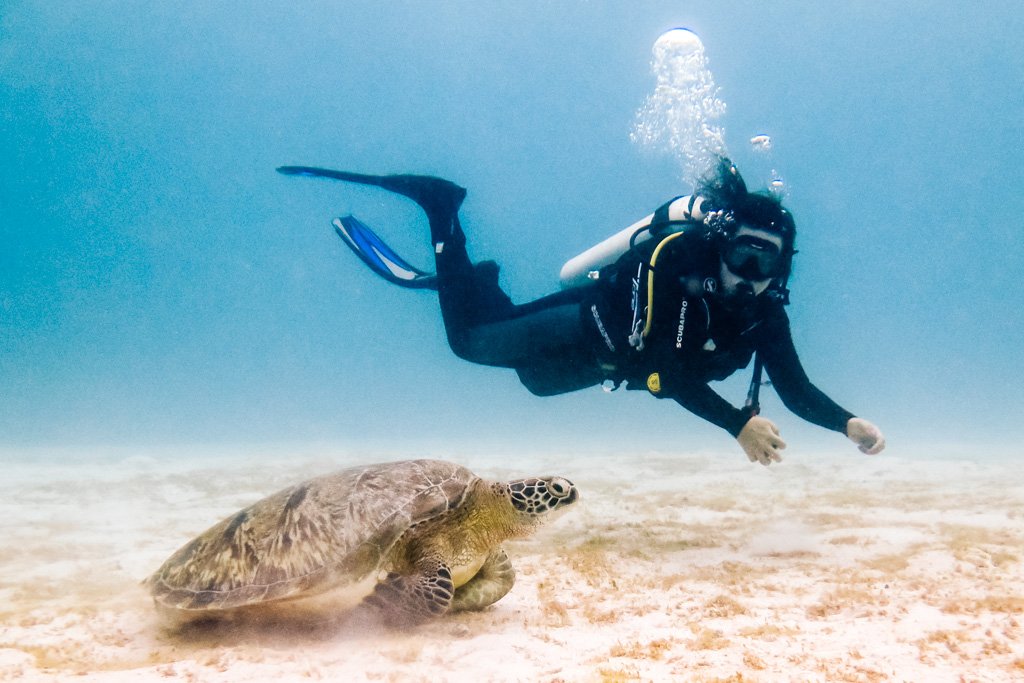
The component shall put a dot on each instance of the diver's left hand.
(867, 436)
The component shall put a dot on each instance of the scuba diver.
(686, 296)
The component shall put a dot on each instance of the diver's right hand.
(760, 440)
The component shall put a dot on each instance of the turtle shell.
(322, 534)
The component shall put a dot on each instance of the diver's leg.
(527, 335)
(546, 342)
(468, 295)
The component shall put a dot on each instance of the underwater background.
(161, 287)
(182, 333)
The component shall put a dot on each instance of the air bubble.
(679, 116)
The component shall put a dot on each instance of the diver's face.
(754, 252)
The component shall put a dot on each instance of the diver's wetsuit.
(578, 338)
(581, 337)
(695, 338)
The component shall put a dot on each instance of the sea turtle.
(415, 538)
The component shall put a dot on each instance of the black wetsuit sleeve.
(791, 382)
(704, 402)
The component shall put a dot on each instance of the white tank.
(582, 270)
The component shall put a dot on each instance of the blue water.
(161, 285)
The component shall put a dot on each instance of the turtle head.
(533, 499)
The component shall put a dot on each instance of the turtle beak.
(574, 495)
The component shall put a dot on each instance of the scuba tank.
(725, 185)
(584, 268)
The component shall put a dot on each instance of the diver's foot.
(438, 197)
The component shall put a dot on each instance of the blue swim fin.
(380, 257)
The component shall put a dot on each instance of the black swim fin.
(436, 196)
(381, 259)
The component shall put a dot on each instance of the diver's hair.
(724, 186)
(727, 192)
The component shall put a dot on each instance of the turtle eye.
(560, 487)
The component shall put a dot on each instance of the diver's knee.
(558, 374)
(461, 346)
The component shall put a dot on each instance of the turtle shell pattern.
(324, 533)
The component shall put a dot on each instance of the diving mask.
(753, 258)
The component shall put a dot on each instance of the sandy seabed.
(692, 567)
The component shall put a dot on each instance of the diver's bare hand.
(867, 436)
(760, 440)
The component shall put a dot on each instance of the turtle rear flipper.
(406, 600)
(495, 578)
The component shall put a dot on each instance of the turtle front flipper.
(491, 583)
(406, 600)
